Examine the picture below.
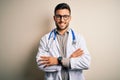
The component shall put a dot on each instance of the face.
(62, 19)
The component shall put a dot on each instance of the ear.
(70, 18)
(54, 18)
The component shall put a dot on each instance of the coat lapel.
(58, 47)
(69, 44)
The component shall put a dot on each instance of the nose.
(61, 19)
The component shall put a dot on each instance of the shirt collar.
(56, 31)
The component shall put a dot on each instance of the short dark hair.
(62, 6)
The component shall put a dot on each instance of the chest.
(55, 49)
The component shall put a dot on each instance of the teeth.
(62, 24)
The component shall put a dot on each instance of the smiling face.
(62, 18)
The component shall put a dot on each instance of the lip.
(62, 24)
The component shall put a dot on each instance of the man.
(62, 53)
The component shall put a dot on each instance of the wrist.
(59, 60)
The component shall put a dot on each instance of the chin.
(59, 27)
(62, 28)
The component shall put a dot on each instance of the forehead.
(62, 12)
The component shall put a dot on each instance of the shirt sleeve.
(66, 62)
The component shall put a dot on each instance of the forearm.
(45, 68)
(82, 62)
(50, 68)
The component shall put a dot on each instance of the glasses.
(65, 17)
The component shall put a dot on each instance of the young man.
(62, 53)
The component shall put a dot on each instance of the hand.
(77, 53)
(48, 61)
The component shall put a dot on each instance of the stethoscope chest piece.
(74, 42)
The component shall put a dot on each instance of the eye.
(66, 16)
(57, 16)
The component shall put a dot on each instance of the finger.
(80, 50)
(47, 65)
(77, 50)
(44, 63)
(43, 59)
(80, 53)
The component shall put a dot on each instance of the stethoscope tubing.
(72, 32)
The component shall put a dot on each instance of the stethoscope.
(54, 36)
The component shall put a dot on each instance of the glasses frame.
(59, 17)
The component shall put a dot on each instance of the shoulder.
(77, 34)
(48, 35)
(45, 36)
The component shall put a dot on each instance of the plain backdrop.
(24, 22)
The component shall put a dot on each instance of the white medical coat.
(50, 47)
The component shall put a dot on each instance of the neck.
(62, 31)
